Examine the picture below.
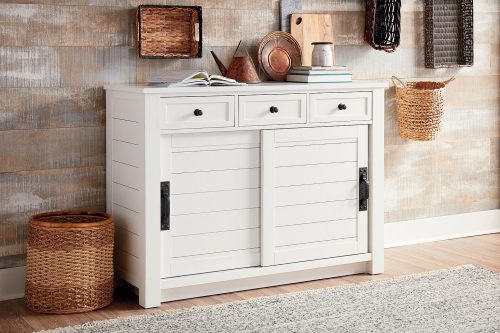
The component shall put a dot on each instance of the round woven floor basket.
(420, 107)
(69, 265)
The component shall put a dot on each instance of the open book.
(204, 79)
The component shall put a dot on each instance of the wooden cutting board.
(308, 28)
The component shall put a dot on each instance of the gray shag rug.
(461, 299)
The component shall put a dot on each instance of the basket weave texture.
(169, 31)
(420, 106)
(448, 29)
(383, 24)
(69, 262)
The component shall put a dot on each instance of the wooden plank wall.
(56, 55)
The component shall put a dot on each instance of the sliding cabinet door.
(214, 207)
(313, 186)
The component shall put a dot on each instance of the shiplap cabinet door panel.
(315, 212)
(315, 154)
(213, 242)
(310, 200)
(194, 203)
(313, 193)
(316, 174)
(315, 232)
(214, 262)
(214, 202)
(190, 224)
(219, 180)
(314, 251)
(211, 160)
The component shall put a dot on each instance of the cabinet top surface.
(260, 87)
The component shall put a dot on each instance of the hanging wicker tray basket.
(420, 107)
(165, 31)
(69, 262)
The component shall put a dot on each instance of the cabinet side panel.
(376, 176)
(149, 291)
(125, 181)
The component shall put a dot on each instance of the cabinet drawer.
(327, 107)
(272, 109)
(179, 112)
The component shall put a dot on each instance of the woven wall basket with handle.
(420, 107)
(165, 31)
(69, 266)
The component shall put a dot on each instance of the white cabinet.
(221, 189)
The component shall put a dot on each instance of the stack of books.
(311, 74)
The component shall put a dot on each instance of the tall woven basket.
(420, 107)
(69, 262)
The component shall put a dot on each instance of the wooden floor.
(483, 251)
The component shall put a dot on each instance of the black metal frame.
(465, 19)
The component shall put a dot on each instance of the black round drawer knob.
(342, 106)
(198, 112)
(273, 109)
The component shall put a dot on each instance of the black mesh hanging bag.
(383, 24)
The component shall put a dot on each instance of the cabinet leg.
(376, 266)
(147, 301)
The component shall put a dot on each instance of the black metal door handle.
(342, 106)
(364, 189)
(198, 112)
(165, 205)
(273, 109)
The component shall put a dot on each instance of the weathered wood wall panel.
(56, 55)
(23, 194)
(52, 148)
(31, 108)
(96, 66)
(29, 67)
(49, 25)
(119, 3)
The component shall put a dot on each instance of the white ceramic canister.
(322, 54)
